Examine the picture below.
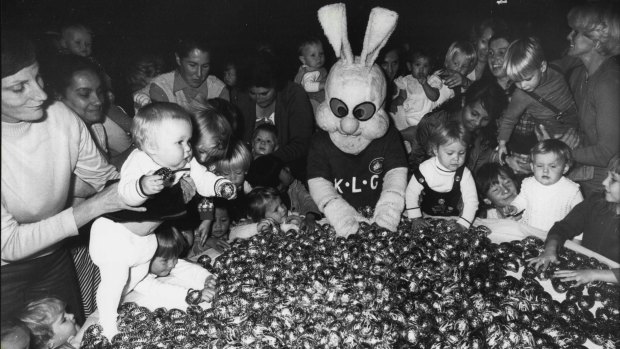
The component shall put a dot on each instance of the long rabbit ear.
(333, 19)
(381, 24)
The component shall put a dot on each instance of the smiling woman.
(79, 84)
(48, 157)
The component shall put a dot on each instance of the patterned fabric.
(87, 274)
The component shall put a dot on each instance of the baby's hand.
(151, 183)
(141, 99)
(209, 290)
(292, 219)
(267, 225)
(418, 223)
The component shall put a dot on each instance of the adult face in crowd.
(193, 63)
(268, 98)
(390, 63)
(78, 83)
(480, 35)
(45, 150)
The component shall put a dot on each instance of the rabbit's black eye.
(364, 111)
(338, 107)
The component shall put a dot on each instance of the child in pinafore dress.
(442, 185)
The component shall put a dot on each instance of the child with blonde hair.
(547, 196)
(122, 244)
(442, 185)
(50, 325)
(459, 66)
(541, 92)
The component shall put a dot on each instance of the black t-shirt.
(358, 178)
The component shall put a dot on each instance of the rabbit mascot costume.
(357, 158)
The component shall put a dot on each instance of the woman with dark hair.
(78, 83)
(483, 103)
(267, 98)
(190, 82)
(48, 156)
(480, 35)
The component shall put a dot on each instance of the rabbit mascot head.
(355, 123)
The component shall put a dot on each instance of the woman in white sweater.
(48, 156)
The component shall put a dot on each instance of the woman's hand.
(543, 261)
(202, 232)
(209, 290)
(579, 276)
(501, 152)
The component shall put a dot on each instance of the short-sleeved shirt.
(357, 178)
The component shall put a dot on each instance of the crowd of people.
(104, 189)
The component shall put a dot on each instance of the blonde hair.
(240, 157)
(39, 316)
(523, 58)
(601, 23)
(151, 116)
(465, 48)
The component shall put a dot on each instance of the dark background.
(123, 27)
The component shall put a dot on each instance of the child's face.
(548, 168)
(77, 41)
(85, 96)
(532, 81)
(276, 210)
(171, 148)
(497, 52)
(460, 63)
(221, 224)
(194, 68)
(161, 266)
(235, 175)
(390, 64)
(313, 56)
(420, 67)
(209, 149)
(263, 143)
(64, 327)
(482, 44)
(612, 187)
(502, 193)
(230, 75)
(19, 339)
(451, 155)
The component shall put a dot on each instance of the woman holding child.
(268, 98)
(48, 157)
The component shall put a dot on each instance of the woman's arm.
(607, 124)
(298, 110)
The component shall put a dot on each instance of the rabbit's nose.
(349, 125)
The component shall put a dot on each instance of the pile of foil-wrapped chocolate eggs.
(437, 287)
